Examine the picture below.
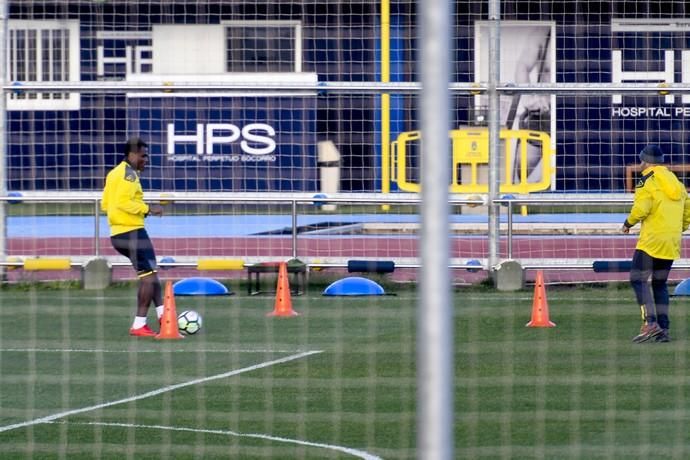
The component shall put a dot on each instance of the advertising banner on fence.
(241, 144)
(527, 55)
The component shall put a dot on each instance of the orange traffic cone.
(169, 329)
(283, 305)
(540, 307)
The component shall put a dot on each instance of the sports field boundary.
(346, 450)
(158, 391)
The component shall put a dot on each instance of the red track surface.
(567, 247)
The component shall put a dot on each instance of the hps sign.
(222, 142)
(631, 63)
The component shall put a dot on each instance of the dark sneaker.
(143, 331)
(647, 333)
(663, 336)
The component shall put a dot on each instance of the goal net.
(290, 131)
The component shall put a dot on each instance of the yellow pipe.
(385, 98)
(47, 264)
(220, 264)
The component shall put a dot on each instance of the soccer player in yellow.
(123, 202)
(661, 205)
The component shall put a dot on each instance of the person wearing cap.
(662, 208)
(123, 202)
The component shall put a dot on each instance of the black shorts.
(137, 247)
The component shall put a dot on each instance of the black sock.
(664, 321)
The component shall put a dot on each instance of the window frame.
(70, 60)
(296, 42)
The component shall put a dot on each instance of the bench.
(630, 170)
(297, 270)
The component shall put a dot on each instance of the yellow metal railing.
(470, 149)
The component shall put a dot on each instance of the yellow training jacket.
(661, 204)
(123, 200)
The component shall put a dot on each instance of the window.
(263, 46)
(229, 47)
(43, 51)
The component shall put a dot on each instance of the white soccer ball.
(189, 322)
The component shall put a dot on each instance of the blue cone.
(683, 289)
(353, 286)
(199, 286)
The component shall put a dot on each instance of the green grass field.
(338, 381)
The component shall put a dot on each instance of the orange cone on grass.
(283, 304)
(540, 306)
(169, 328)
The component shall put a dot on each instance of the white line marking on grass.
(167, 389)
(101, 350)
(346, 450)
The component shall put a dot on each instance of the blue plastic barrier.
(354, 286)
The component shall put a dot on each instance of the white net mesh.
(255, 109)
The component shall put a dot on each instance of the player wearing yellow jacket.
(123, 202)
(123, 199)
(662, 207)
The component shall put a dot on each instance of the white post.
(435, 344)
(329, 167)
(494, 132)
(3, 130)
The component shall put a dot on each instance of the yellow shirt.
(661, 204)
(123, 200)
